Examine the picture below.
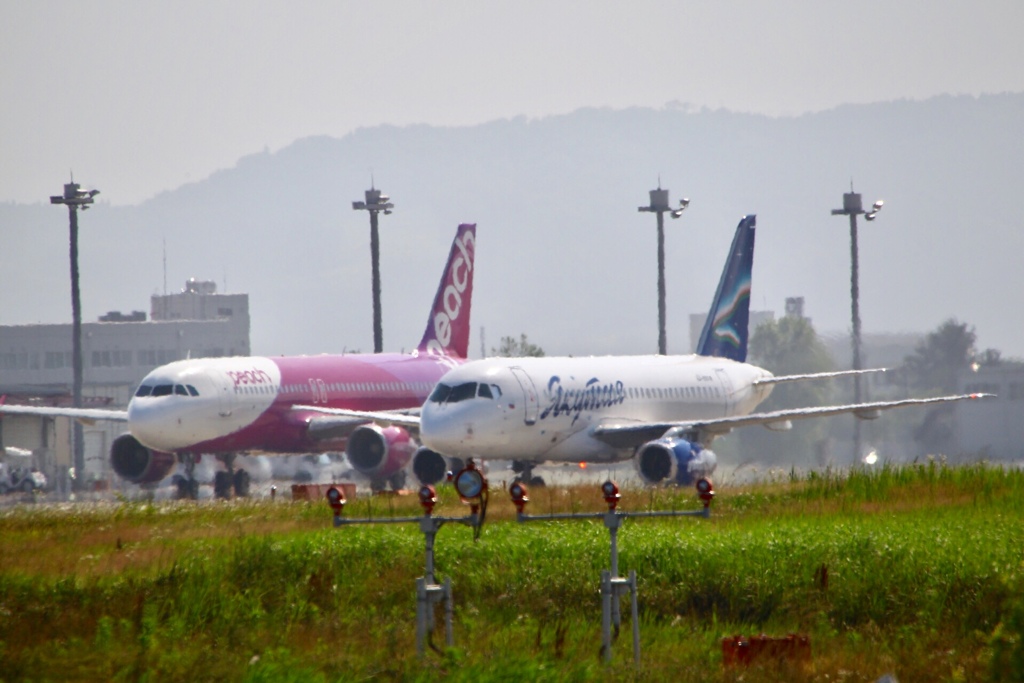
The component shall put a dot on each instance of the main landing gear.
(188, 487)
(225, 481)
(524, 474)
(396, 481)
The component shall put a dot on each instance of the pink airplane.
(254, 405)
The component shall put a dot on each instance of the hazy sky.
(141, 97)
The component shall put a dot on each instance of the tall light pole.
(74, 198)
(375, 203)
(852, 207)
(659, 205)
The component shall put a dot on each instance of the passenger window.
(163, 390)
(144, 390)
(484, 392)
(440, 393)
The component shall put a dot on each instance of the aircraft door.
(531, 402)
(225, 394)
(726, 383)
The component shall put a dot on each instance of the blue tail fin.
(725, 331)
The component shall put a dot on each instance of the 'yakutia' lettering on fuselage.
(451, 299)
(573, 401)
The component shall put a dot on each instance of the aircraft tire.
(188, 489)
(397, 480)
(537, 481)
(222, 484)
(242, 481)
(27, 486)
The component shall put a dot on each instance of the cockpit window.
(462, 392)
(496, 390)
(440, 393)
(484, 391)
(144, 390)
(180, 390)
(163, 390)
(192, 390)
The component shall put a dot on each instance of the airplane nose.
(438, 431)
(153, 425)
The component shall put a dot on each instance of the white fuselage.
(545, 409)
(214, 405)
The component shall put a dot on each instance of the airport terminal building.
(118, 350)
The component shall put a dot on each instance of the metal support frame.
(428, 592)
(613, 586)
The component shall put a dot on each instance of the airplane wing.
(83, 414)
(634, 434)
(816, 375)
(334, 423)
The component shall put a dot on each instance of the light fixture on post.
(375, 203)
(75, 198)
(659, 205)
(853, 207)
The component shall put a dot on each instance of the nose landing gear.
(524, 474)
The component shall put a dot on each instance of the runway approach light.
(428, 499)
(520, 496)
(336, 499)
(611, 494)
(470, 483)
(705, 491)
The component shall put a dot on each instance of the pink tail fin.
(447, 330)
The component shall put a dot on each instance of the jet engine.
(140, 465)
(379, 452)
(430, 467)
(674, 461)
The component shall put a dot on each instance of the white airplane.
(664, 411)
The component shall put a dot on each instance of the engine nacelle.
(140, 465)
(674, 461)
(379, 452)
(430, 467)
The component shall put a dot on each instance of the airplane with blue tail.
(661, 411)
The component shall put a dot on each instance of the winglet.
(447, 332)
(725, 330)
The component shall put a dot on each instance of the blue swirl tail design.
(725, 331)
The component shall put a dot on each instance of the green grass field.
(915, 571)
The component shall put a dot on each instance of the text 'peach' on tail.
(447, 332)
